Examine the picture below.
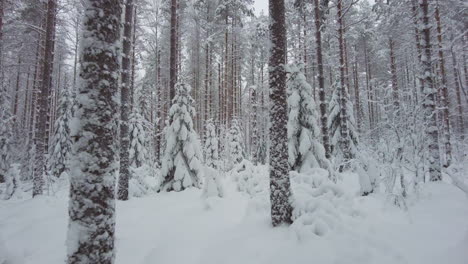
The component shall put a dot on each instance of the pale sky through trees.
(260, 5)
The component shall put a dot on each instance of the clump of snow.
(12, 181)
(213, 186)
(143, 181)
(320, 205)
(250, 179)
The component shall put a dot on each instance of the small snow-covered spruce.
(6, 132)
(138, 152)
(94, 130)
(304, 146)
(211, 146)
(12, 181)
(142, 180)
(182, 160)
(343, 153)
(236, 152)
(212, 186)
(61, 142)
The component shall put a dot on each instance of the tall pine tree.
(95, 148)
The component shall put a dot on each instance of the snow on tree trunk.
(94, 131)
(443, 92)
(343, 95)
(182, 161)
(304, 146)
(430, 96)
(280, 186)
(321, 78)
(125, 109)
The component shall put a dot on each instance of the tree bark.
(461, 123)
(443, 92)
(393, 70)
(429, 96)
(173, 51)
(321, 80)
(125, 108)
(91, 210)
(343, 98)
(280, 193)
(41, 138)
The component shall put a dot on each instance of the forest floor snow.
(183, 228)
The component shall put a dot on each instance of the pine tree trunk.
(2, 3)
(254, 115)
(75, 51)
(356, 92)
(321, 80)
(27, 104)
(173, 52)
(125, 108)
(461, 123)
(430, 97)
(17, 90)
(393, 70)
(343, 98)
(160, 108)
(417, 36)
(133, 59)
(41, 138)
(32, 113)
(280, 193)
(92, 198)
(443, 92)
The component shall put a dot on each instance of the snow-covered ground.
(183, 228)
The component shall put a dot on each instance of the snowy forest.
(233, 131)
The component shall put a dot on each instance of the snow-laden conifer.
(138, 140)
(236, 151)
(6, 132)
(12, 181)
(304, 146)
(182, 161)
(61, 141)
(343, 149)
(211, 146)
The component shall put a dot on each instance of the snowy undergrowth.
(177, 228)
(320, 205)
